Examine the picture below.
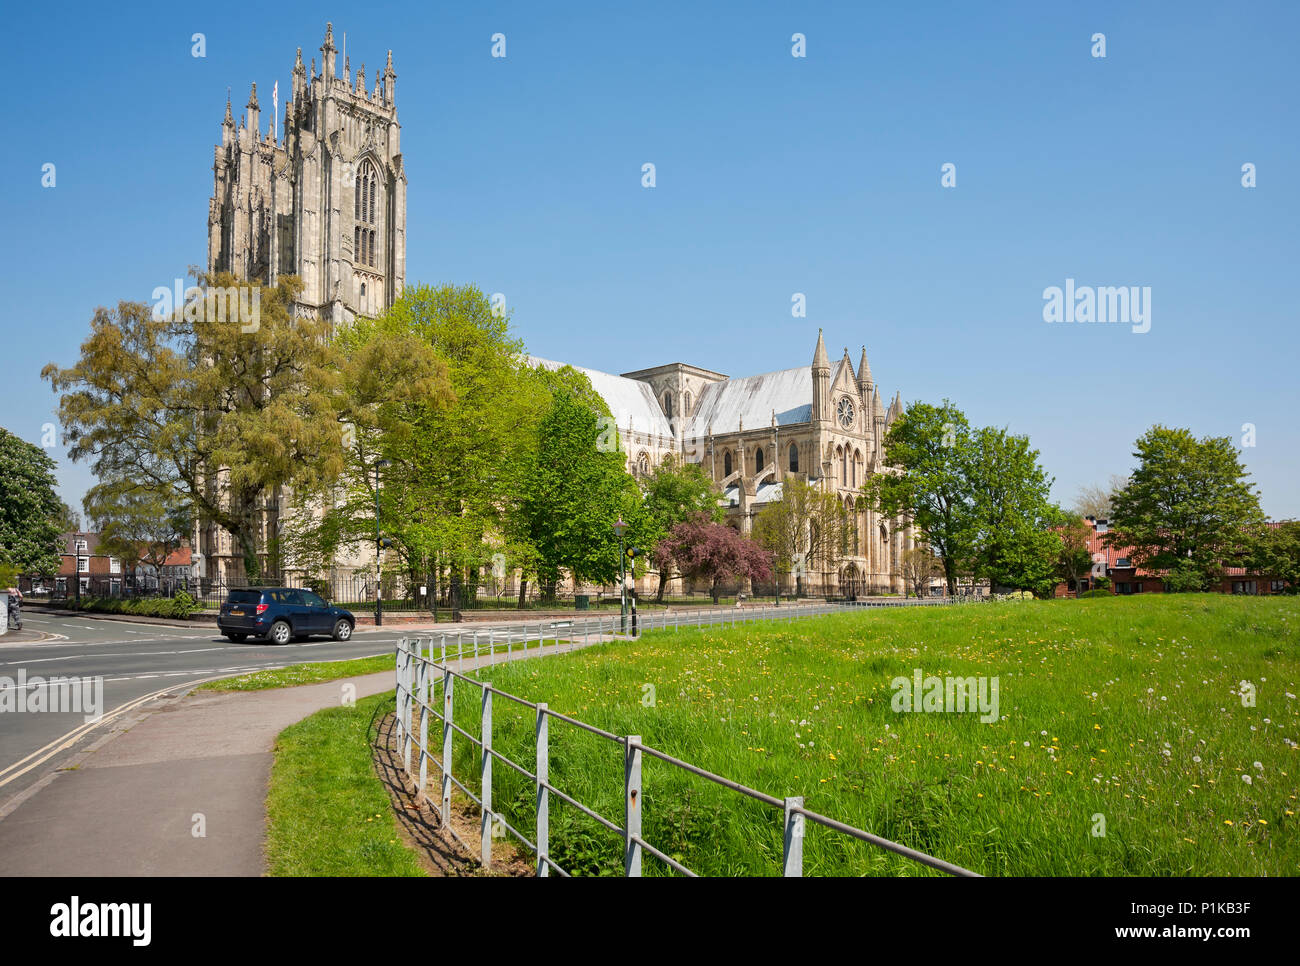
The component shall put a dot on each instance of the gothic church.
(324, 198)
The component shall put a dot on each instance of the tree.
(390, 382)
(1187, 508)
(675, 492)
(1274, 552)
(1094, 500)
(979, 497)
(447, 499)
(804, 531)
(714, 552)
(1015, 540)
(204, 406)
(576, 490)
(1074, 559)
(920, 565)
(69, 520)
(929, 449)
(30, 510)
(137, 524)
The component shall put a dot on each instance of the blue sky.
(775, 175)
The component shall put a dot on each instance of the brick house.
(1127, 578)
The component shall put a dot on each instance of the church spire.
(327, 52)
(864, 374)
(847, 363)
(820, 359)
(390, 81)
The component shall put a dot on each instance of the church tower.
(323, 198)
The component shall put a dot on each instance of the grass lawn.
(296, 674)
(1125, 708)
(328, 815)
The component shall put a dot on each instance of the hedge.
(180, 606)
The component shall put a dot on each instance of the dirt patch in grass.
(420, 824)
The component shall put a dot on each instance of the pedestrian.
(15, 613)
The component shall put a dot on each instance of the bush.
(181, 606)
(1096, 593)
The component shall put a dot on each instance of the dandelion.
(1259, 766)
(1196, 758)
(1247, 779)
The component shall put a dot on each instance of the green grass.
(328, 815)
(297, 674)
(1126, 708)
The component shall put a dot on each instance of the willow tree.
(204, 407)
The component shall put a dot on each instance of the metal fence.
(424, 664)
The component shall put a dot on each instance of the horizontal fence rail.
(423, 665)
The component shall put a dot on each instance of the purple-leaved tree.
(703, 550)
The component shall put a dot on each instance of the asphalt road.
(135, 661)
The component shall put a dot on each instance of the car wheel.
(237, 638)
(281, 632)
(342, 630)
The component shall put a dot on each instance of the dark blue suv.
(281, 614)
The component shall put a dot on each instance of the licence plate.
(236, 613)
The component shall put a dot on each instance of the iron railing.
(424, 664)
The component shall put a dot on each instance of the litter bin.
(582, 602)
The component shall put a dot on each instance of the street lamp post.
(620, 528)
(379, 595)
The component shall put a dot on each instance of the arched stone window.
(643, 464)
(726, 463)
(857, 467)
(686, 409)
(758, 460)
(668, 405)
(365, 207)
(794, 458)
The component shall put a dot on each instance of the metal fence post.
(408, 707)
(632, 806)
(424, 719)
(485, 783)
(543, 794)
(492, 647)
(476, 646)
(446, 746)
(792, 863)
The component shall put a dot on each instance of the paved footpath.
(127, 805)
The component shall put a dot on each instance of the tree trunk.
(664, 577)
(523, 592)
(713, 589)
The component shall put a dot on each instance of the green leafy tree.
(929, 451)
(577, 489)
(204, 407)
(30, 510)
(1274, 553)
(1016, 543)
(1187, 508)
(136, 524)
(675, 492)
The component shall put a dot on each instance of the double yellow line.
(42, 755)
